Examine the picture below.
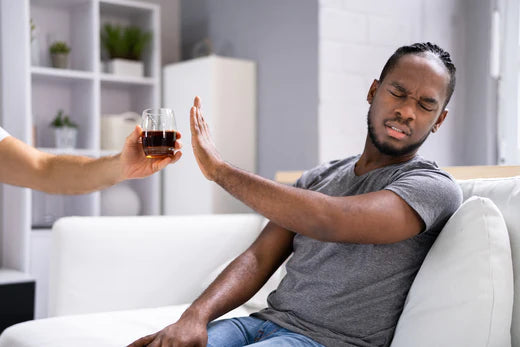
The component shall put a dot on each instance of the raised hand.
(208, 158)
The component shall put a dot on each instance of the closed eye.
(397, 95)
(425, 108)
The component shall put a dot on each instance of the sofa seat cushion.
(463, 292)
(107, 329)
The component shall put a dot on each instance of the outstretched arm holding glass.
(25, 166)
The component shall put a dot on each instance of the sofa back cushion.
(463, 292)
(505, 193)
(116, 263)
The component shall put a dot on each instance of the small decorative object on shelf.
(60, 54)
(202, 48)
(35, 45)
(115, 128)
(65, 131)
(124, 47)
(120, 200)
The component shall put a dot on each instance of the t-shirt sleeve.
(309, 177)
(432, 193)
(3, 134)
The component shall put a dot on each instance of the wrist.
(196, 314)
(219, 171)
(119, 168)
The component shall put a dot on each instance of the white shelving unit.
(34, 94)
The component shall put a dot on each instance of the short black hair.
(418, 49)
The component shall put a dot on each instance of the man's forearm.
(66, 174)
(299, 210)
(233, 287)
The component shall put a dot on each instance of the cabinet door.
(186, 191)
(227, 89)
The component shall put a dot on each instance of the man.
(358, 229)
(25, 166)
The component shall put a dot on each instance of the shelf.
(124, 8)
(38, 229)
(127, 80)
(8, 276)
(74, 151)
(58, 3)
(53, 74)
(108, 152)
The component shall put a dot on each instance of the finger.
(134, 135)
(161, 164)
(143, 341)
(178, 135)
(178, 144)
(157, 342)
(199, 118)
(176, 157)
(202, 122)
(193, 121)
(197, 102)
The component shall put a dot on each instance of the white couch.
(115, 279)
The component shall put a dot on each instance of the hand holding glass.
(159, 132)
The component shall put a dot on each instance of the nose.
(406, 110)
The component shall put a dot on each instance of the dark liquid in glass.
(158, 143)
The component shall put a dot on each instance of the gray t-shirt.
(345, 294)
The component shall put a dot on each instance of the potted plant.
(60, 54)
(35, 45)
(124, 47)
(65, 131)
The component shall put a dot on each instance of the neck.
(372, 158)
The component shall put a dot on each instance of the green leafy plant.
(124, 42)
(59, 47)
(33, 28)
(61, 120)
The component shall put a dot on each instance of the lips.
(397, 130)
(398, 127)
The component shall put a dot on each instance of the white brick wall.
(355, 40)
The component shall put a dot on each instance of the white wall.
(281, 36)
(170, 30)
(355, 40)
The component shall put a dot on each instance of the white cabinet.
(33, 91)
(228, 91)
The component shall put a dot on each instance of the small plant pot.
(60, 60)
(125, 67)
(65, 137)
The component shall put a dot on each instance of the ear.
(440, 120)
(372, 91)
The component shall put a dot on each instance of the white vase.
(120, 200)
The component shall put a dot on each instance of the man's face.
(407, 105)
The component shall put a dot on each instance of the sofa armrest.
(115, 263)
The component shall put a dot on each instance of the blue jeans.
(243, 331)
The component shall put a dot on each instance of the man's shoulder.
(325, 171)
(422, 166)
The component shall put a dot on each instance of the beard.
(387, 148)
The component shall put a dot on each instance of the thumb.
(134, 135)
